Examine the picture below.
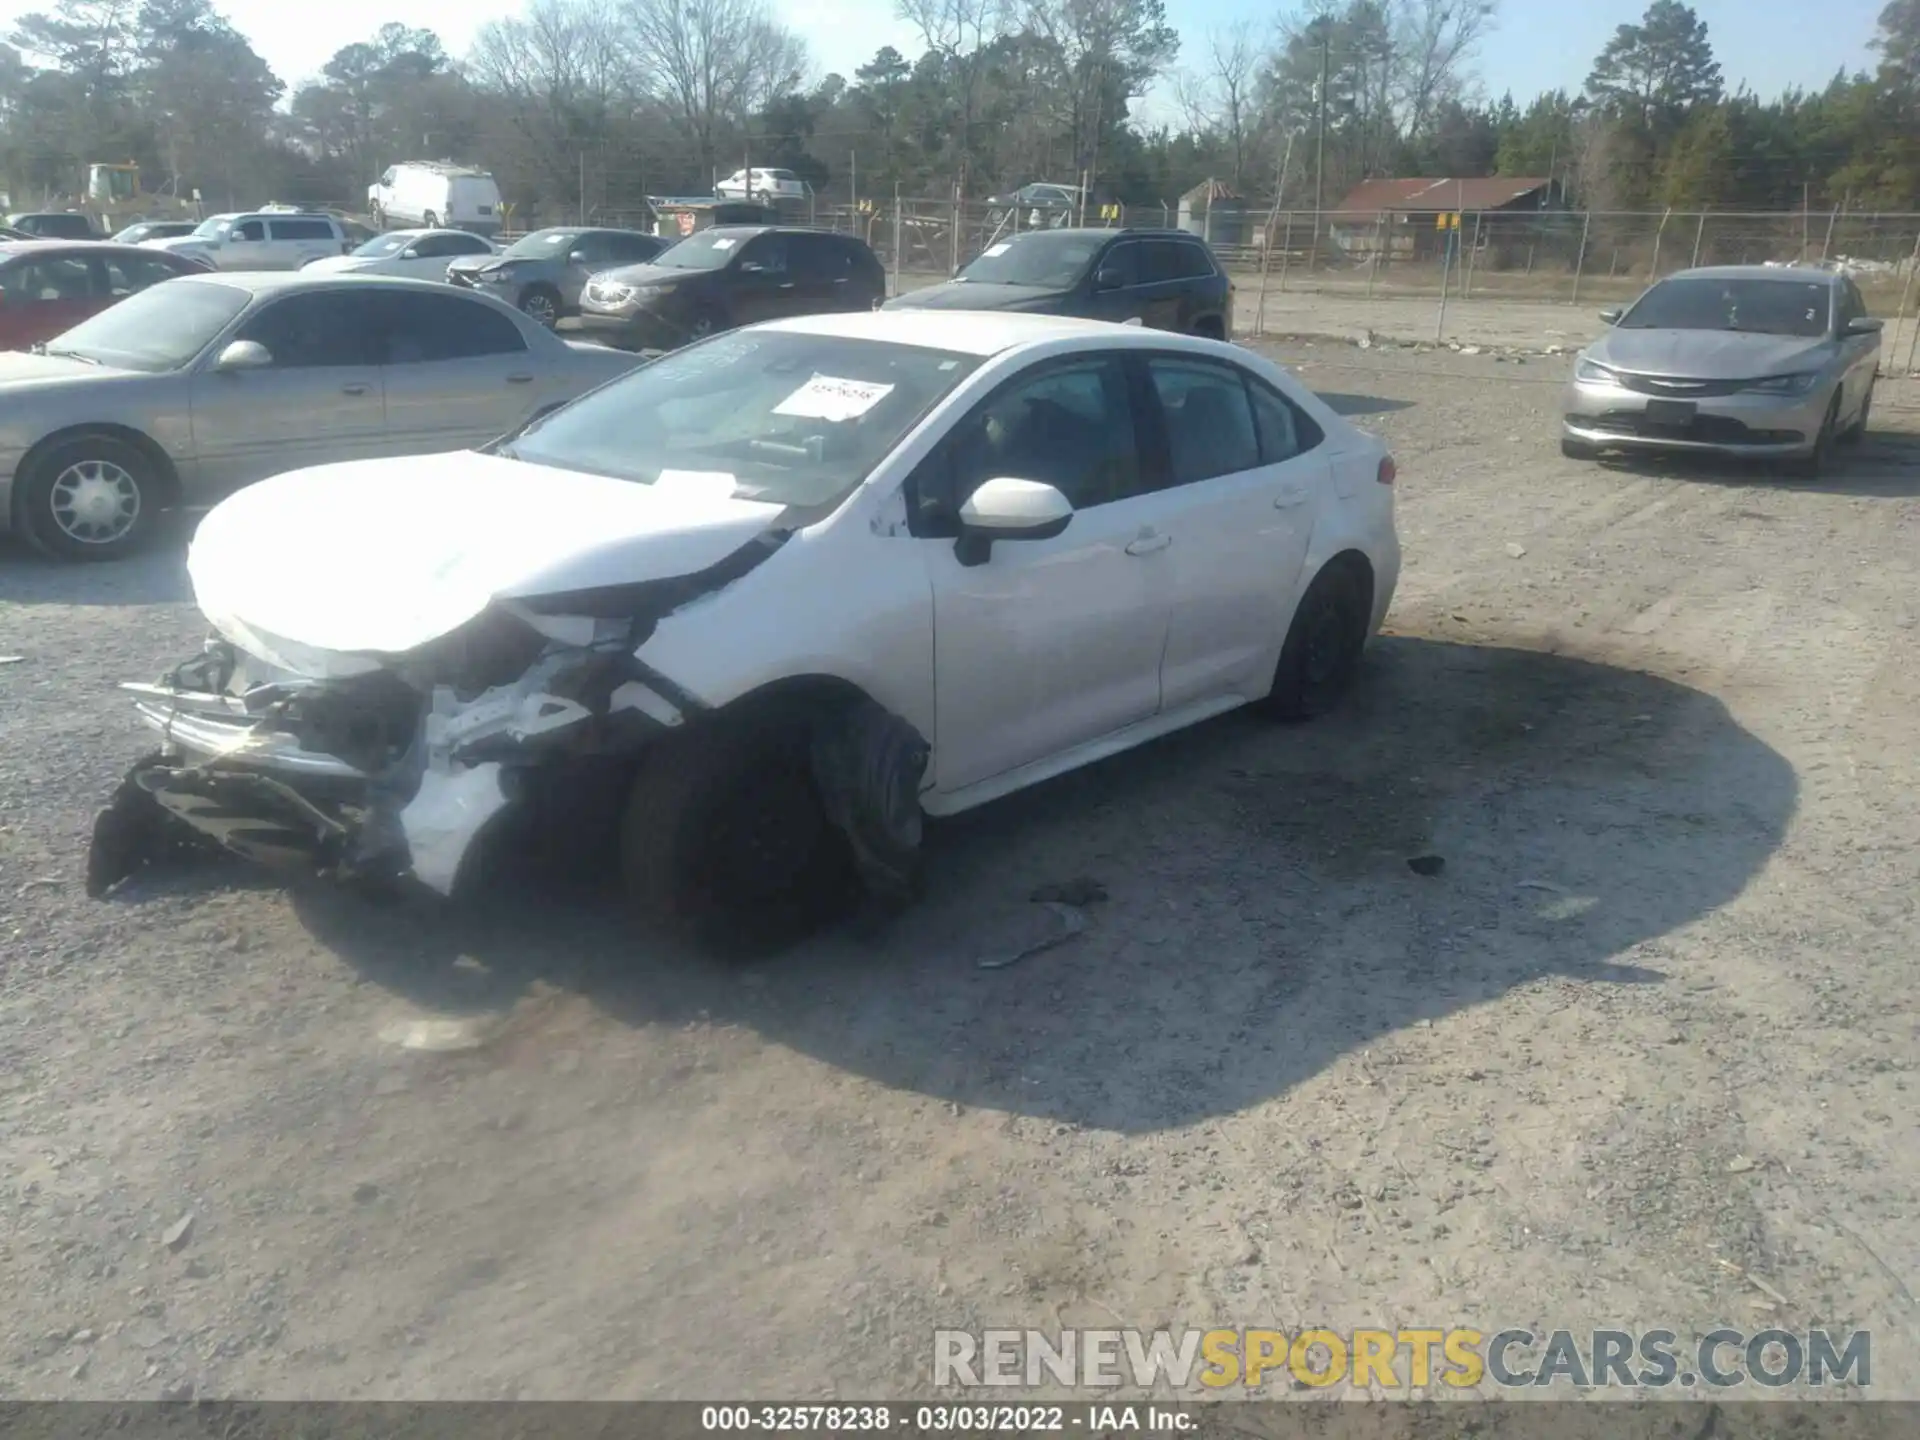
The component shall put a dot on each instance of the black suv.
(54, 225)
(730, 275)
(1165, 279)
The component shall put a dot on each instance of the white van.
(435, 193)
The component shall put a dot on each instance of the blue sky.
(1538, 45)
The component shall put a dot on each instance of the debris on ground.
(177, 1233)
(1740, 1165)
(1515, 551)
(11, 659)
(439, 1036)
(1072, 922)
(1427, 864)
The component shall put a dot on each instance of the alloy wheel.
(95, 502)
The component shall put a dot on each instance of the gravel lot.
(1640, 1055)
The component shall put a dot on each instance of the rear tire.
(91, 498)
(1323, 646)
(1210, 328)
(726, 842)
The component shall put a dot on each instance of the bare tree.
(961, 33)
(1219, 100)
(712, 62)
(1433, 41)
(561, 70)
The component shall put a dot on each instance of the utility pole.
(1320, 157)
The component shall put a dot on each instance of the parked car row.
(163, 374)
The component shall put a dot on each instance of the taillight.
(1388, 472)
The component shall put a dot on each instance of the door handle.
(353, 389)
(1287, 499)
(519, 379)
(1147, 544)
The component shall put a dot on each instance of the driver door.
(761, 283)
(1050, 644)
(321, 399)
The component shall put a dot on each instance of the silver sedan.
(197, 386)
(1750, 361)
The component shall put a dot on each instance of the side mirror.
(412, 252)
(243, 355)
(1009, 509)
(1109, 277)
(1864, 325)
(578, 257)
(1612, 317)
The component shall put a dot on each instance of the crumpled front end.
(383, 767)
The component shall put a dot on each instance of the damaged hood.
(383, 556)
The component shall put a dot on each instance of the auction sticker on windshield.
(723, 244)
(993, 250)
(825, 398)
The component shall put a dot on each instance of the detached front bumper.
(1741, 425)
(369, 776)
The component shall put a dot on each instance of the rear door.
(456, 372)
(1167, 281)
(1245, 470)
(293, 240)
(319, 401)
(45, 295)
(822, 275)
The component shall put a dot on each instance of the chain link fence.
(1512, 257)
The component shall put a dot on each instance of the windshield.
(153, 330)
(708, 251)
(214, 229)
(1757, 307)
(541, 244)
(384, 245)
(1051, 262)
(787, 418)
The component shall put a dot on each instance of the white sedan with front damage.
(772, 598)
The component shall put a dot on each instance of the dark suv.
(1165, 279)
(726, 276)
(54, 225)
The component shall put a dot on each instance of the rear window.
(288, 229)
(1176, 260)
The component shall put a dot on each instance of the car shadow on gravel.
(157, 575)
(1353, 405)
(1260, 917)
(1884, 466)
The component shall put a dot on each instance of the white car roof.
(977, 332)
